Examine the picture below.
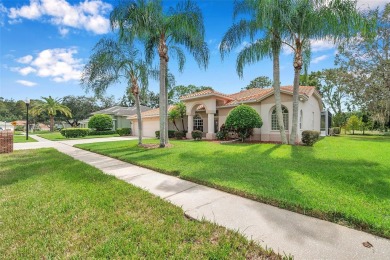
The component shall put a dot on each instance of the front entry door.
(216, 125)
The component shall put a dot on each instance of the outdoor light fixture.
(27, 105)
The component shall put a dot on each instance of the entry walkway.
(284, 231)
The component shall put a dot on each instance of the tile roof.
(151, 113)
(121, 111)
(254, 94)
(204, 93)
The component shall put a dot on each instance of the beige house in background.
(207, 110)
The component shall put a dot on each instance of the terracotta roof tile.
(204, 93)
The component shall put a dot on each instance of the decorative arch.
(274, 118)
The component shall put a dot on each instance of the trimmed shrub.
(180, 135)
(123, 131)
(100, 122)
(74, 132)
(106, 132)
(336, 130)
(171, 134)
(242, 120)
(19, 128)
(197, 135)
(310, 137)
(222, 135)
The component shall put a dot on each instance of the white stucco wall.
(151, 125)
(311, 111)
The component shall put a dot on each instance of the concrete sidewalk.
(284, 231)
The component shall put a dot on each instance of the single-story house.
(207, 111)
(119, 116)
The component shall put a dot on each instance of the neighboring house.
(207, 111)
(119, 116)
(151, 122)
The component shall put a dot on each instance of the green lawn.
(53, 206)
(58, 137)
(22, 139)
(341, 179)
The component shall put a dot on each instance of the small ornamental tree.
(100, 122)
(353, 123)
(242, 120)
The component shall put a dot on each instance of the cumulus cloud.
(321, 45)
(26, 83)
(319, 58)
(25, 59)
(87, 15)
(58, 64)
(3, 12)
(370, 4)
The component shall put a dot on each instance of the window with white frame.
(274, 119)
(198, 123)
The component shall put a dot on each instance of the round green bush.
(197, 135)
(242, 120)
(309, 137)
(100, 122)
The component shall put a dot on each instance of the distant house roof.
(151, 113)
(121, 111)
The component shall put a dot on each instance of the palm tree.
(163, 33)
(50, 106)
(307, 20)
(111, 61)
(264, 20)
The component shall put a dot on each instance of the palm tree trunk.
(163, 53)
(139, 118)
(278, 101)
(51, 123)
(297, 71)
(166, 104)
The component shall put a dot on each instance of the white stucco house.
(207, 111)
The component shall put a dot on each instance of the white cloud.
(87, 15)
(25, 59)
(27, 70)
(63, 31)
(3, 12)
(242, 46)
(366, 4)
(58, 64)
(319, 58)
(26, 83)
(321, 45)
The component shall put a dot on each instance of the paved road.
(284, 231)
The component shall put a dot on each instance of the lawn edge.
(334, 217)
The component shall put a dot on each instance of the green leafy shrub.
(310, 137)
(105, 132)
(74, 132)
(171, 134)
(123, 131)
(100, 122)
(242, 120)
(336, 130)
(197, 135)
(180, 135)
(223, 133)
(19, 128)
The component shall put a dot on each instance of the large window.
(198, 123)
(274, 119)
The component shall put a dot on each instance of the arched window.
(300, 119)
(274, 119)
(198, 123)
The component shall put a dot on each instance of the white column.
(210, 126)
(190, 126)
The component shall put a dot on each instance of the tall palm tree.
(111, 61)
(264, 22)
(163, 33)
(50, 106)
(307, 20)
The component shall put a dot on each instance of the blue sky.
(44, 45)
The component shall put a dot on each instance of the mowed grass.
(22, 139)
(58, 137)
(341, 179)
(52, 206)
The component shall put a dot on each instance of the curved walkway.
(284, 231)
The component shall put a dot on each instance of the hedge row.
(171, 134)
(82, 132)
(123, 131)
